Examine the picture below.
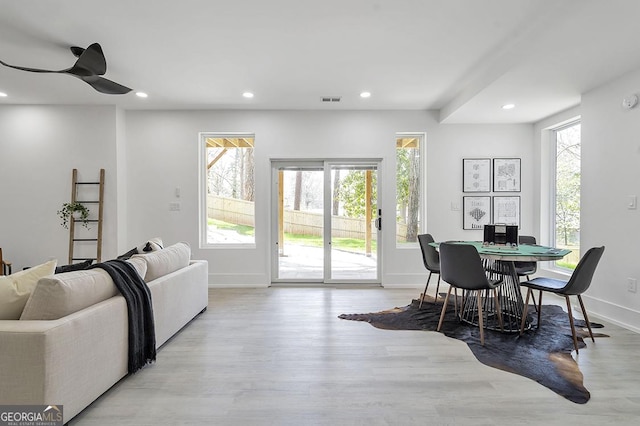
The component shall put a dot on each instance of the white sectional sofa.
(71, 343)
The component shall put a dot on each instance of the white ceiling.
(464, 58)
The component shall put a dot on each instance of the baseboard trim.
(217, 280)
(245, 285)
(405, 280)
(612, 312)
(405, 286)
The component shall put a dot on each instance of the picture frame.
(476, 212)
(506, 175)
(506, 210)
(476, 175)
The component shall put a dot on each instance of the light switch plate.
(632, 202)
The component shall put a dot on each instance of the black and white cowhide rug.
(541, 354)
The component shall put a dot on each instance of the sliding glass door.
(300, 226)
(326, 221)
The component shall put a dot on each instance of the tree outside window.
(230, 189)
(408, 182)
(567, 206)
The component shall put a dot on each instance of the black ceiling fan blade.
(104, 85)
(89, 66)
(77, 51)
(28, 69)
(91, 61)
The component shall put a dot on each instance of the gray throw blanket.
(142, 333)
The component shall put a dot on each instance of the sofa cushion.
(139, 264)
(63, 294)
(15, 289)
(165, 261)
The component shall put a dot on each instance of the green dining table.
(499, 263)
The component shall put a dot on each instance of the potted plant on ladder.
(75, 210)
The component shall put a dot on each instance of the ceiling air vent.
(331, 99)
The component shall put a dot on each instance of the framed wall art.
(506, 175)
(476, 175)
(476, 212)
(506, 210)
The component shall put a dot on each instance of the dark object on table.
(501, 234)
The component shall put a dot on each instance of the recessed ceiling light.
(141, 95)
(365, 94)
(248, 95)
(508, 106)
(3, 95)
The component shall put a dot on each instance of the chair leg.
(524, 311)
(455, 301)
(437, 289)
(480, 319)
(573, 329)
(444, 308)
(463, 299)
(586, 318)
(424, 293)
(495, 297)
(539, 307)
(533, 299)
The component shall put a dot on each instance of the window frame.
(202, 191)
(553, 171)
(422, 204)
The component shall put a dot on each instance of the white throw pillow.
(63, 294)
(151, 245)
(139, 264)
(165, 261)
(15, 289)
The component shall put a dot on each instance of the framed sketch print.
(506, 175)
(477, 212)
(506, 210)
(476, 175)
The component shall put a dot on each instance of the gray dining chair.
(461, 267)
(526, 269)
(431, 260)
(578, 283)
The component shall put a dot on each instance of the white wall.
(147, 154)
(39, 147)
(162, 154)
(610, 173)
(448, 145)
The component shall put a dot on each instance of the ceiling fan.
(89, 67)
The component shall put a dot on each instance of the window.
(566, 218)
(229, 186)
(408, 187)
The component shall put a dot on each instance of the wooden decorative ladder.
(79, 190)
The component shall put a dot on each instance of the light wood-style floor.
(280, 356)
